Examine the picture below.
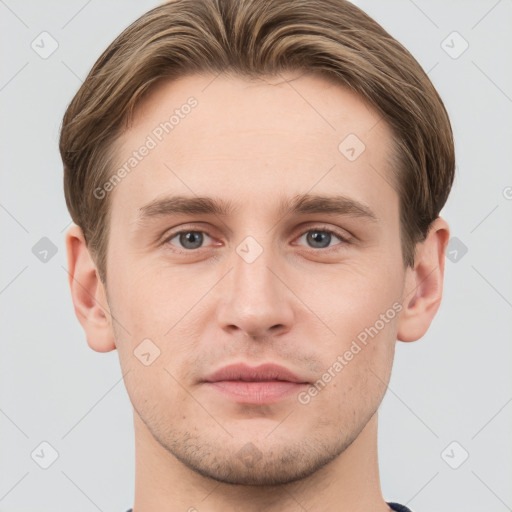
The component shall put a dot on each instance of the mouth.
(264, 384)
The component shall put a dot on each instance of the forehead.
(233, 102)
(253, 140)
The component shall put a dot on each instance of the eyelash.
(322, 229)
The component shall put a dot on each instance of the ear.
(423, 288)
(88, 293)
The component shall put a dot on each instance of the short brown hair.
(254, 38)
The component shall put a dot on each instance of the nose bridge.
(256, 251)
(255, 298)
(251, 273)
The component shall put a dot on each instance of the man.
(256, 187)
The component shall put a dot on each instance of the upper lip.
(244, 372)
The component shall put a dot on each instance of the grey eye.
(319, 238)
(189, 239)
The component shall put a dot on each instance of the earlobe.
(88, 293)
(423, 288)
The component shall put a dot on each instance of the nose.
(255, 298)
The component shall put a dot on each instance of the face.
(252, 275)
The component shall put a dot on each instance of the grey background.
(453, 385)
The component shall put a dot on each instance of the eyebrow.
(299, 205)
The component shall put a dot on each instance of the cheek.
(356, 376)
(149, 302)
(357, 299)
(362, 310)
(154, 393)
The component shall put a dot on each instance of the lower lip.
(259, 393)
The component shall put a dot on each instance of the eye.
(321, 237)
(188, 239)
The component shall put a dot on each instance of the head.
(308, 155)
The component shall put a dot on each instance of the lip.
(264, 384)
(261, 373)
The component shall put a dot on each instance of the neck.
(350, 482)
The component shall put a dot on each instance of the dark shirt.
(394, 506)
(398, 508)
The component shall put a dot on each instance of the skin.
(297, 304)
